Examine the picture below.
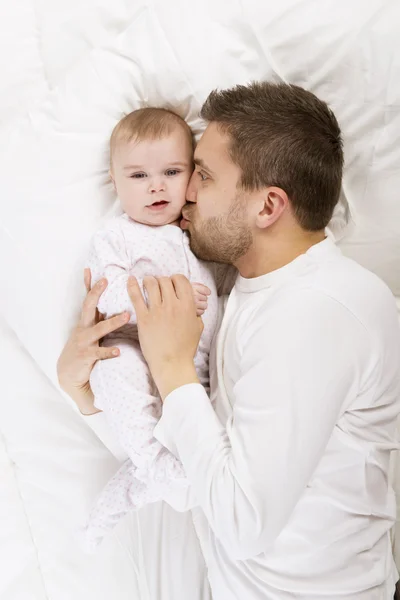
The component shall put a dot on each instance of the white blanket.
(69, 70)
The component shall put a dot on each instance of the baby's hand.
(200, 293)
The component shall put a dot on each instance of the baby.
(151, 161)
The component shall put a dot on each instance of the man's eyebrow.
(200, 162)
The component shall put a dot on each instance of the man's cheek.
(204, 203)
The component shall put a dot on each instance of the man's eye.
(138, 175)
(172, 172)
(202, 176)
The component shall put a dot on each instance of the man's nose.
(157, 184)
(191, 192)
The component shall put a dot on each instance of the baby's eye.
(138, 175)
(172, 172)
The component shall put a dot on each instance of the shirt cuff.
(188, 423)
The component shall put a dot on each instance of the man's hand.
(169, 329)
(82, 349)
(200, 292)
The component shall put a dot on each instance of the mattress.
(70, 70)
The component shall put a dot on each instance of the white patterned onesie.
(122, 386)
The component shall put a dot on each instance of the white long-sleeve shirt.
(291, 470)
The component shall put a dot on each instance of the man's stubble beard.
(222, 239)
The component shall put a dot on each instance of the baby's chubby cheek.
(134, 207)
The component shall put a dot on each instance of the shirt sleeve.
(109, 258)
(298, 371)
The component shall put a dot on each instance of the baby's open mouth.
(158, 204)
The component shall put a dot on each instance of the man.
(291, 469)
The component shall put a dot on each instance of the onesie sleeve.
(297, 373)
(98, 423)
(108, 257)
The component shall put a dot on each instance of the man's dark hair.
(282, 135)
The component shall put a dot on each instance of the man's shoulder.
(346, 274)
(305, 300)
(342, 292)
(357, 289)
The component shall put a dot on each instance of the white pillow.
(54, 157)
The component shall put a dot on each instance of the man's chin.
(199, 250)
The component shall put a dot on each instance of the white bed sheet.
(51, 465)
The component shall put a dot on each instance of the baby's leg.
(124, 493)
(111, 505)
(125, 392)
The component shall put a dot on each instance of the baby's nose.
(157, 184)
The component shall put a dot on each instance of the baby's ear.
(112, 179)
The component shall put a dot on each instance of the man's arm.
(298, 373)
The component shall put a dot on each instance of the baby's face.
(151, 177)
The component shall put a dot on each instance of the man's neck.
(272, 254)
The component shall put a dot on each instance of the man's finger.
(104, 353)
(183, 288)
(88, 315)
(200, 324)
(105, 327)
(153, 291)
(87, 278)
(167, 290)
(136, 296)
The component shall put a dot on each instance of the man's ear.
(273, 202)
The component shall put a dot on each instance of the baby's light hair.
(147, 124)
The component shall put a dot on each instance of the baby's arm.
(109, 258)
